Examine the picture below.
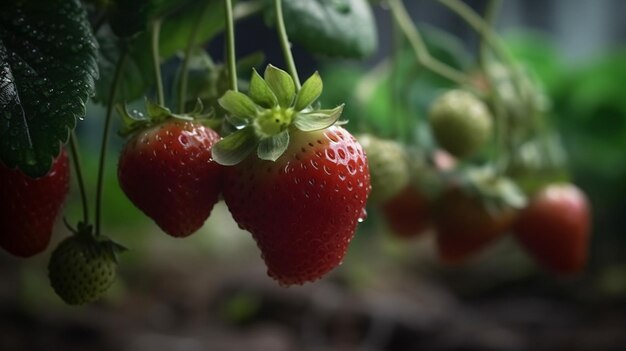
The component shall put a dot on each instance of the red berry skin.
(464, 226)
(29, 207)
(555, 227)
(408, 213)
(168, 173)
(303, 209)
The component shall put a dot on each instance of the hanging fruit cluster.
(492, 169)
(286, 168)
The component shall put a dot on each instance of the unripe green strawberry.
(82, 268)
(389, 171)
(460, 122)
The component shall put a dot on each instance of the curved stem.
(500, 114)
(230, 44)
(480, 26)
(284, 43)
(79, 175)
(155, 30)
(119, 68)
(403, 19)
(490, 12)
(184, 70)
(394, 92)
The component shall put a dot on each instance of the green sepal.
(311, 91)
(198, 109)
(131, 122)
(238, 104)
(236, 121)
(111, 248)
(497, 192)
(281, 84)
(273, 147)
(156, 111)
(260, 92)
(236, 147)
(318, 119)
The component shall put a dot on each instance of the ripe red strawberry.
(303, 208)
(168, 173)
(554, 228)
(408, 213)
(29, 207)
(464, 226)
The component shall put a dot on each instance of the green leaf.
(260, 91)
(281, 84)
(238, 104)
(156, 111)
(235, 147)
(311, 90)
(138, 75)
(47, 71)
(343, 28)
(317, 120)
(273, 147)
(128, 18)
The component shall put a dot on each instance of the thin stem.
(480, 26)
(284, 43)
(230, 45)
(500, 113)
(492, 8)
(394, 92)
(184, 70)
(155, 30)
(119, 68)
(79, 175)
(403, 19)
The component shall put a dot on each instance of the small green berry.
(81, 268)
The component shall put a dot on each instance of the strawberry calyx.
(265, 116)
(496, 193)
(134, 121)
(84, 233)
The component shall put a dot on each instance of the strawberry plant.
(454, 161)
(288, 171)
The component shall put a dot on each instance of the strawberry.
(408, 213)
(168, 173)
(465, 226)
(82, 268)
(555, 228)
(461, 123)
(29, 207)
(303, 191)
(302, 209)
(389, 169)
(477, 207)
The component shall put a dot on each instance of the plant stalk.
(119, 68)
(401, 16)
(230, 44)
(184, 70)
(79, 175)
(155, 30)
(284, 43)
